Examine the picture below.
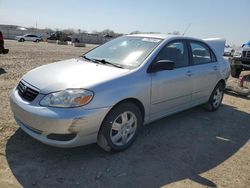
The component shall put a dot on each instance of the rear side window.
(201, 54)
(175, 51)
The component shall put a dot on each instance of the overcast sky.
(209, 18)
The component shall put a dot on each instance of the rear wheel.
(21, 40)
(216, 97)
(120, 127)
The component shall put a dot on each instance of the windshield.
(248, 43)
(127, 51)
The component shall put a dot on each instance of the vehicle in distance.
(28, 37)
(106, 95)
(229, 51)
(241, 60)
(2, 49)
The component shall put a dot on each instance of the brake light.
(242, 79)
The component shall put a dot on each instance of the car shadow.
(2, 71)
(235, 94)
(175, 148)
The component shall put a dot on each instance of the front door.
(171, 89)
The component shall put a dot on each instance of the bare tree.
(136, 32)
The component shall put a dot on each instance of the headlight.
(67, 98)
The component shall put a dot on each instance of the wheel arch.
(223, 82)
(135, 101)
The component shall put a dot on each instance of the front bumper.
(40, 122)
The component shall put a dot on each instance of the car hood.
(72, 73)
(246, 48)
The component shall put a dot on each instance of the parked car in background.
(106, 95)
(59, 35)
(28, 37)
(2, 49)
(228, 51)
(240, 60)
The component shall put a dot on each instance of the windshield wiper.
(102, 61)
(90, 59)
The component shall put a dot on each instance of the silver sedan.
(106, 95)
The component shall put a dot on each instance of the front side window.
(176, 52)
(127, 51)
(201, 53)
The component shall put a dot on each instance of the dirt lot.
(194, 148)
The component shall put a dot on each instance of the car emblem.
(24, 89)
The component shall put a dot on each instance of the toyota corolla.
(109, 93)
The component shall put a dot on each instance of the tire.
(21, 40)
(235, 72)
(120, 127)
(215, 98)
(37, 40)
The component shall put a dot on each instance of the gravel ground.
(194, 148)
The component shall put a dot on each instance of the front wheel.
(120, 127)
(216, 97)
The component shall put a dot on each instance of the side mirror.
(161, 65)
(243, 45)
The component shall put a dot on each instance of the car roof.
(217, 44)
(164, 36)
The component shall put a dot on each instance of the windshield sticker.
(151, 40)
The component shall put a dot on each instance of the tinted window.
(201, 53)
(175, 51)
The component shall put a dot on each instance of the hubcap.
(123, 128)
(217, 97)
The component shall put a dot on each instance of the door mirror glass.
(162, 65)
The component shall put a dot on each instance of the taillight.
(242, 79)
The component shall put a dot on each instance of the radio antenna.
(189, 25)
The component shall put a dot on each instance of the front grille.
(248, 54)
(61, 137)
(244, 53)
(26, 92)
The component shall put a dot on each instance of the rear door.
(205, 71)
(28, 37)
(171, 89)
(33, 37)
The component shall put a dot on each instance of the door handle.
(215, 67)
(189, 73)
